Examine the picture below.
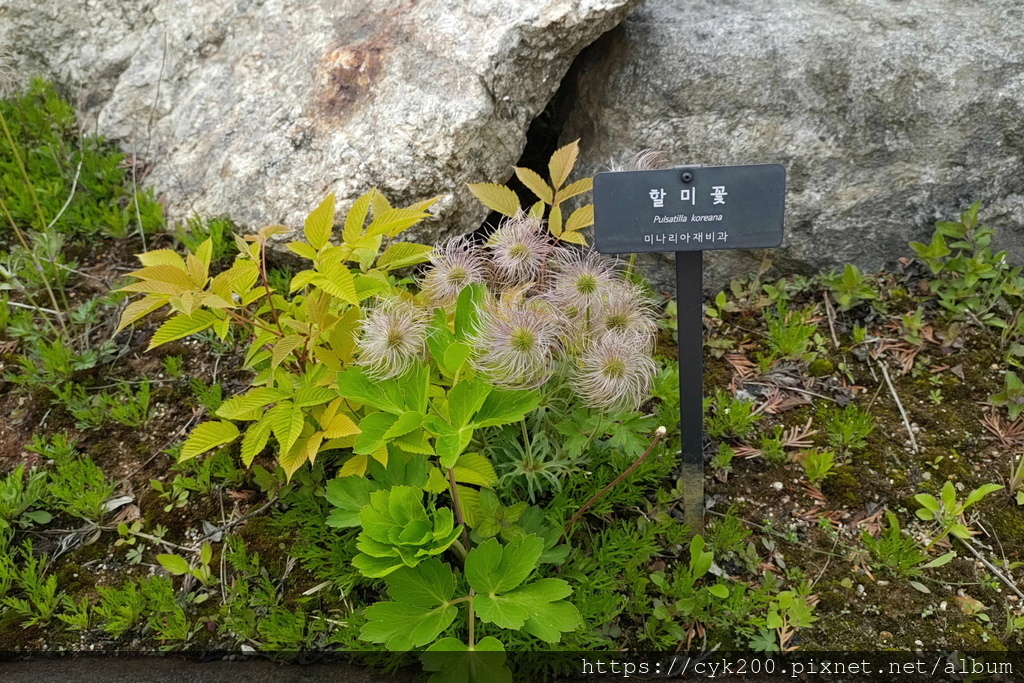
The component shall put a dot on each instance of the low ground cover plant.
(455, 449)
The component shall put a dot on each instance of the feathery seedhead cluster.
(516, 343)
(391, 337)
(624, 308)
(581, 280)
(455, 265)
(519, 250)
(615, 371)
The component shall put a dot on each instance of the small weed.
(817, 465)
(730, 417)
(847, 429)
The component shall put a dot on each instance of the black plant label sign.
(689, 209)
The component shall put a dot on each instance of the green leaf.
(405, 423)
(337, 280)
(354, 385)
(348, 495)
(455, 662)
(536, 184)
(283, 348)
(313, 396)
(927, 502)
(428, 584)
(473, 468)
(555, 221)
(979, 493)
(174, 564)
(465, 399)
(357, 217)
(404, 254)
(286, 422)
(181, 326)
(939, 561)
(255, 440)
(236, 406)
(496, 197)
(719, 590)
(320, 223)
(401, 627)
(374, 428)
(549, 615)
(467, 310)
(456, 356)
(505, 407)
(207, 436)
(491, 569)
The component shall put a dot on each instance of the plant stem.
(659, 433)
(458, 509)
(472, 621)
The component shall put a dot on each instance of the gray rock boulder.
(888, 115)
(259, 108)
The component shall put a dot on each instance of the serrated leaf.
(455, 662)
(356, 218)
(181, 326)
(582, 217)
(504, 407)
(287, 422)
(162, 257)
(172, 275)
(337, 280)
(207, 436)
(348, 495)
(555, 221)
(473, 468)
(302, 249)
(292, 459)
(373, 428)
(139, 309)
(401, 627)
(283, 347)
(404, 254)
(341, 425)
(320, 223)
(428, 584)
(255, 440)
(573, 238)
(536, 184)
(496, 197)
(465, 399)
(549, 615)
(259, 397)
(575, 188)
(492, 569)
(562, 163)
(406, 422)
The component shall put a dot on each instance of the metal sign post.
(689, 210)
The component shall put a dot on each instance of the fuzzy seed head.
(625, 308)
(455, 265)
(519, 250)
(581, 280)
(615, 372)
(391, 337)
(516, 343)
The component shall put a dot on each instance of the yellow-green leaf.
(165, 273)
(582, 217)
(536, 184)
(473, 468)
(255, 440)
(336, 280)
(356, 465)
(496, 197)
(394, 221)
(562, 162)
(302, 249)
(181, 326)
(341, 426)
(356, 218)
(284, 346)
(378, 202)
(555, 221)
(402, 254)
(320, 223)
(207, 436)
(574, 237)
(575, 188)
(259, 397)
(537, 210)
(139, 309)
(288, 422)
(162, 257)
(292, 459)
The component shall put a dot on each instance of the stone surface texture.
(888, 115)
(259, 108)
